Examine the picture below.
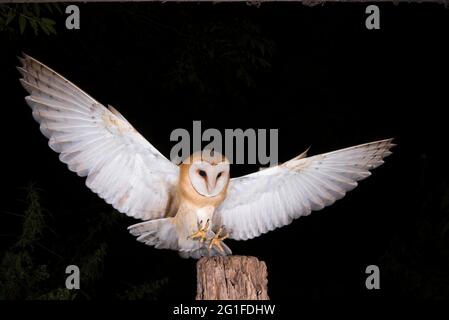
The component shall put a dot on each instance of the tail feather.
(162, 234)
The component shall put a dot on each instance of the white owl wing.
(272, 198)
(121, 166)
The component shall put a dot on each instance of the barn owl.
(194, 206)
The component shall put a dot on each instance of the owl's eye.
(202, 173)
(219, 175)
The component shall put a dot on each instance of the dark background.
(315, 73)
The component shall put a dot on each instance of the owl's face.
(209, 175)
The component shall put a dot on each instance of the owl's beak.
(211, 182)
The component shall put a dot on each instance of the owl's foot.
(217, 240)
(201, 233)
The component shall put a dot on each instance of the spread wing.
(271, 198)
(99, 143)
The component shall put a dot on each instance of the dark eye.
(219, 175)
(202, 173)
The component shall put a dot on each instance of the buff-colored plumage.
(193, 207)
(187, 192)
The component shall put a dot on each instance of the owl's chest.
(204, 214)
(190, 217)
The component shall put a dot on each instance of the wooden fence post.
(231, 278)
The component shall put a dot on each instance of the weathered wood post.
(231, 278)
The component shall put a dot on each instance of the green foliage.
(93, 264)
(33, 224)
(21, 16)
(34, 267)
(59, 294)
(416, 264)
(20, 275)
(237, 51)
(145, 291)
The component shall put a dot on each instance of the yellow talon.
(201, 233)
(216, 241)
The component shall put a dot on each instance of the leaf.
(47, 25)
(44, 28)
(26, 11)
(57, 7)
(35, 26)
(48, 6)
(9, 17)
(36, 9)
(48, 21)
(51, 6)
(22, 23)
(51, 29)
